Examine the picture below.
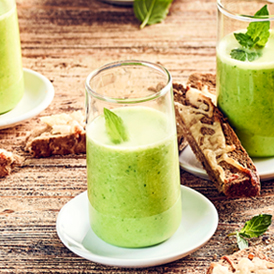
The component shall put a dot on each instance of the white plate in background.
(199, 223)
(38, 94)
(188, 162)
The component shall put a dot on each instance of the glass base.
(136, 232)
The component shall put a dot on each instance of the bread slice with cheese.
(215, 144)
(8, 160)
(249, 260)
(61, 134)
(203, 82)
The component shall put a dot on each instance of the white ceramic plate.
(188, 162)
(199, 222)
(38, 94)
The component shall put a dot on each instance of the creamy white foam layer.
(229, 42)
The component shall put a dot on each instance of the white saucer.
(188, 162)
(199, 222)
(38, 94)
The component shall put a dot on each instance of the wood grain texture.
(65, 40)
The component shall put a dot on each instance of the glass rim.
(118, 100)
(243, 17)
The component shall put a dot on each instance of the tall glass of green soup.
(132, 154)
(245, 71)
(11, 72)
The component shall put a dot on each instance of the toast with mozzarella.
(215, 144)
(249, 260)
(61, 134)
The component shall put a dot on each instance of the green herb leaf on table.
(255, 227)
(115, 127)
(150, 12)
(241, 242)
(254, 39)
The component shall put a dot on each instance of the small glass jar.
(245, 72)
(133, 185)
(11, 71)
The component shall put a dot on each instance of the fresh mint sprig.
(150, 12)
(115, 127)
(255, 227)
(254, 39)
(242, 55)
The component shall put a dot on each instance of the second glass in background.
(11, 71)
(245, 72)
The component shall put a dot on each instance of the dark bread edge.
(58, 145)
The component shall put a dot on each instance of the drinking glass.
(245, 72)
(133, 183)
(11, 72)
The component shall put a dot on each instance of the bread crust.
(47, 140)
(231, 261)
(47, 146)
(203, 81)
(240, 180)
(8, 161)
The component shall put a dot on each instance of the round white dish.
(188, 162)
(39, 93)
(199, 222)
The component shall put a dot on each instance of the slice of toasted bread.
(61, 134)
(203, 81)
(215, 144)
(8, 160)
(249, 260)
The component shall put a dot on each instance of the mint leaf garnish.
(244, 54)
(251, 56)
(255, 227)
(260, 30)
(238, 54)
(150, 12)
(245, 40)
(255, 38)
(115, 127)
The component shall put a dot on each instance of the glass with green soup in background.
(245, 72)
(132, 154)
(11, 72)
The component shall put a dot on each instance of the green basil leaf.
(151, 11)
(256, 226)
(260, 30)
(115, 127)
(241, 242)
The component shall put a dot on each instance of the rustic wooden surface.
(64, 40)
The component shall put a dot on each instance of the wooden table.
(65, 40)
